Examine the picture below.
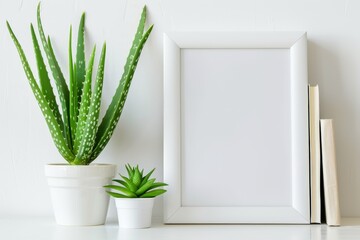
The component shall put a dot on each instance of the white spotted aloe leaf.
(75, 129)
(54, 127)
(113, 113)
(62, 88)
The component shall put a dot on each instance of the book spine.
(315, 155)
(331, 193)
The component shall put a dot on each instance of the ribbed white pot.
(77, 192)
(134, 212)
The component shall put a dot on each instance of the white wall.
(25, 144)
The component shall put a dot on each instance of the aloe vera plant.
(136, 185)
(75, 129)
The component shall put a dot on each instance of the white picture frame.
(181, 208)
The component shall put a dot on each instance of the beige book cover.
(331, 192)
(315, 153)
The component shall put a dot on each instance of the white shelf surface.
(37, 228)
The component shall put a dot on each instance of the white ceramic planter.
(77, 192)
(134, 212)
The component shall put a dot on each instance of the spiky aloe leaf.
(61, 85)
(50, 119)
(80, 59)
(145, 187)
(100, 136)
(121, 189)
(153, 193)
(114, 111)
(84, 107)
(117, 195)
(45, 84)
(139, 33)
(73, 91)
(64, 100)
(90, 129)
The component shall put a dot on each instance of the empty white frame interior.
(235, 128)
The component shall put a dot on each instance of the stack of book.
(323, 177)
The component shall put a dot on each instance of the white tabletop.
(44, 228)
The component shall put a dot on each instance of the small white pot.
(77, 192)
(134, 212)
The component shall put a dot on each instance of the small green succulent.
(136, 185)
